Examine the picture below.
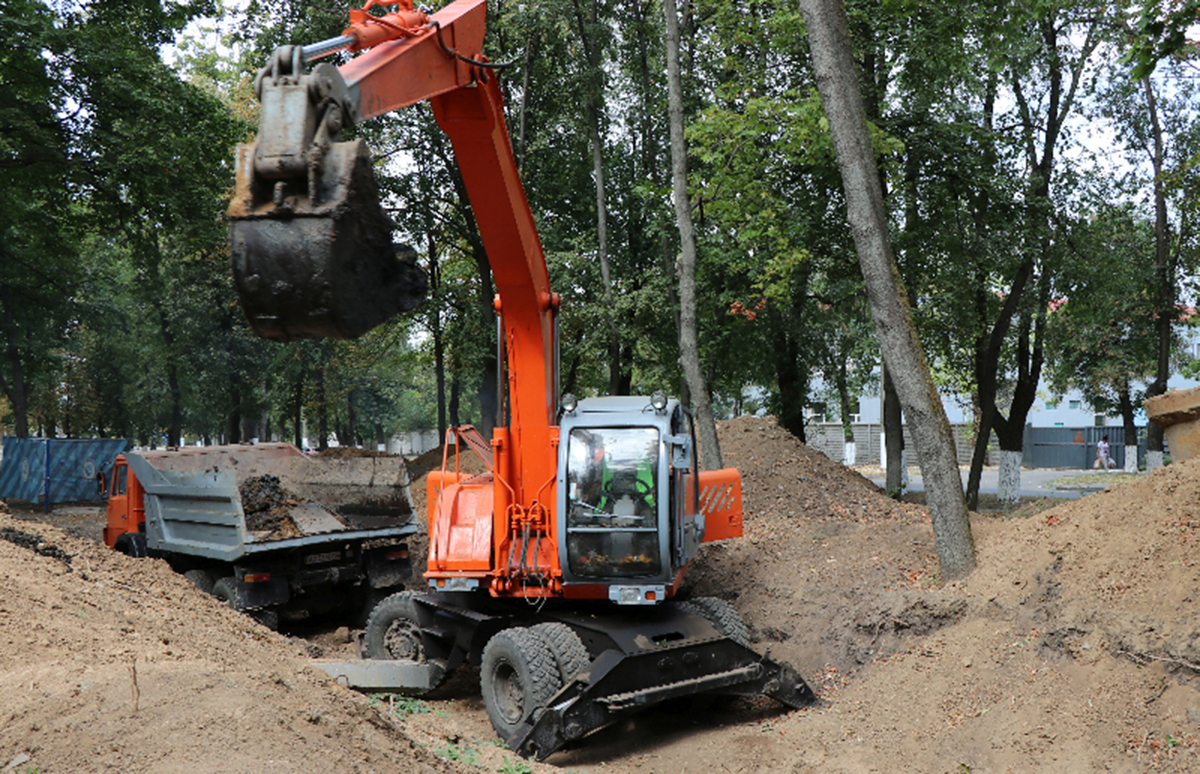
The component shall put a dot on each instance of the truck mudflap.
(620, 684)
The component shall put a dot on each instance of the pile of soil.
(268, 505)
(109, 663)
(338, 452)
(1071, 648)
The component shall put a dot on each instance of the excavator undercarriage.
(585, 665)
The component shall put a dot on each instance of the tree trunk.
(15, 389)
(592, 111)
(689, 348)
(1164, 270)
(297, 412)
(893, 437)
(791, 380)
(836, 75)
(322, 411)
(1131, 434)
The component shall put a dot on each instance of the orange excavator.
(556, 570)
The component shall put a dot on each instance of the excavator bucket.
(311, 245)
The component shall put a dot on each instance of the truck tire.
(132, 544)
(721, 615)
(225, 590)
(201, 580)
(393, 633)
(569, 653)
(517, 676)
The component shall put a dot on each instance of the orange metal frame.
(441, 63)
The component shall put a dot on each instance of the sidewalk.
(1035, 482)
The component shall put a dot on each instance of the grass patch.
(1093, 479)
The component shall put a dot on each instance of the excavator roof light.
(569, 403)
(658, 399)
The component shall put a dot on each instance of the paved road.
(1038, 482)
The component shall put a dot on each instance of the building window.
(816, 412)
(1058, 424)
(1101, 419)
(1073, 405)
(1051, 405)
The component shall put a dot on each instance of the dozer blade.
(651, 663)
(306, 268)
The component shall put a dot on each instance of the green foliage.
(515, 766)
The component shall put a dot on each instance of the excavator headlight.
(569, 403)
(658, 399)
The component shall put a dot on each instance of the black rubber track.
(721, 615)
(569, 653)
(517, 676)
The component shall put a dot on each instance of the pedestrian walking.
(1102, 458)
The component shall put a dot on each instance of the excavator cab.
(628, 496)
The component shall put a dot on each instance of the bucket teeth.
(314, 258)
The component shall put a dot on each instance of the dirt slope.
(1071, 648)
(113, 664)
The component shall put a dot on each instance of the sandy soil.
(1071, 648)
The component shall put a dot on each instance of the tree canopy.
(1037, 230)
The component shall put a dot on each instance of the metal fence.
(55, 470)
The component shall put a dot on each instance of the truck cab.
(125, 509)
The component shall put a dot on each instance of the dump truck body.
(334, 536)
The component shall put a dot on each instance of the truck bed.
(193, 505)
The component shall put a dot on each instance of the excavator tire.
(392, 632)
(518, 675)
(569, 653)
(721, 615)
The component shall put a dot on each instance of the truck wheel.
(132, 544)
(721, 615)
(201, 580)
(226, 591)
(518, 675)
(566, 647)
(267, 617)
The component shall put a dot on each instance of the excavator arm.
(311, 245)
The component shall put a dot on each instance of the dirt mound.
(1072, 647)
(352, 451)
(113, 663)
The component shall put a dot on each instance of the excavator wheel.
(519, 674)
(393, 633)
(721, 615)
(569, 653)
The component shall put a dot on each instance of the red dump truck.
(270, 530)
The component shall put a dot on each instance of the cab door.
(688, 530)
(120, 514)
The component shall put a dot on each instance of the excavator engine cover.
(311, 246)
